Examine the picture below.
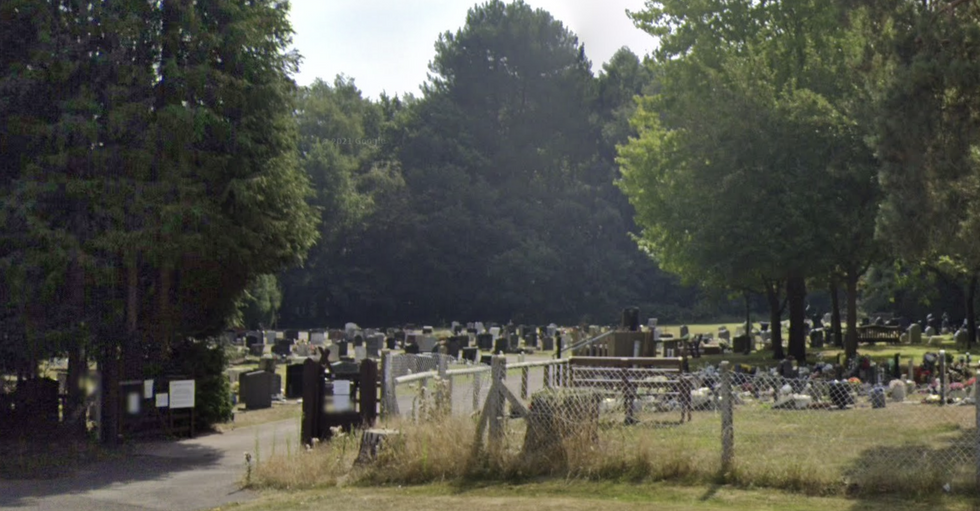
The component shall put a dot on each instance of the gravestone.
(270, 337)
(374, 344)
(283, 347)
(531, 339)
(455, 344)
(816, 338)
(343, 347)
(828, 318)
(930, 331)
(256, 350)
(302, 349)
(255, 390)
(294, 381)
(724, 334)
(495, 332)
(253, 337)
(318, 338)
(962, 337)
(915, 333)
(685, 331)
(514, 343)
(427, 330)
(499, 346)
(412, 349)
(552, 328)
(484, 342)
(547, 343)
(426, 343)
(267, 363)
(391, 343)
(471, 354)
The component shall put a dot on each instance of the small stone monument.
(915, 333)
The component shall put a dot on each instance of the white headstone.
(317, 338)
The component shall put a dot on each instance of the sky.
(386, 45)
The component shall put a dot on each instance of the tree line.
(833, 137)
(162, 177)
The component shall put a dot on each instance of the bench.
(872, 334)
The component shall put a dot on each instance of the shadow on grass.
(917, 475)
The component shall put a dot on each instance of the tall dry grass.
(894, 451)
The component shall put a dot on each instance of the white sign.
(182, 394)
(163, 400)
(133, 403)
(148, 389)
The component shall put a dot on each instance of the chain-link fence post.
(496, 399)
(727, 426)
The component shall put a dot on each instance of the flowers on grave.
(971, 382)
(956, 386)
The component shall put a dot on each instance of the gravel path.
(187, 475)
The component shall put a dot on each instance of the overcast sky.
(386, 45)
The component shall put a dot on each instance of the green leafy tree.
(746, 152)
(927, 143)
(159, 176)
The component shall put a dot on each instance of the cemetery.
(743, 258)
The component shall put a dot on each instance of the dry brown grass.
(908, 449)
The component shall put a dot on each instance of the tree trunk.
(850, 341)
(109, 367)
(748, 318)
(131, 352)
(835, 326)
(971, 320)
(796, 297)
(77, 361)
(775, 320)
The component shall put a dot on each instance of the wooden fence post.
(524, 375)
(477, 384)
(447, 382)
(312, 401)
(369, 392)
(495, 400)
(727, 426)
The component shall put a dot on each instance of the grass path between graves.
(575, 496)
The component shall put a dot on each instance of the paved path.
(188, 475)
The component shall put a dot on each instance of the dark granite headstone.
(484, 342)
(342, 348)
(470, 354)
(500, 345)
(255, 390)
